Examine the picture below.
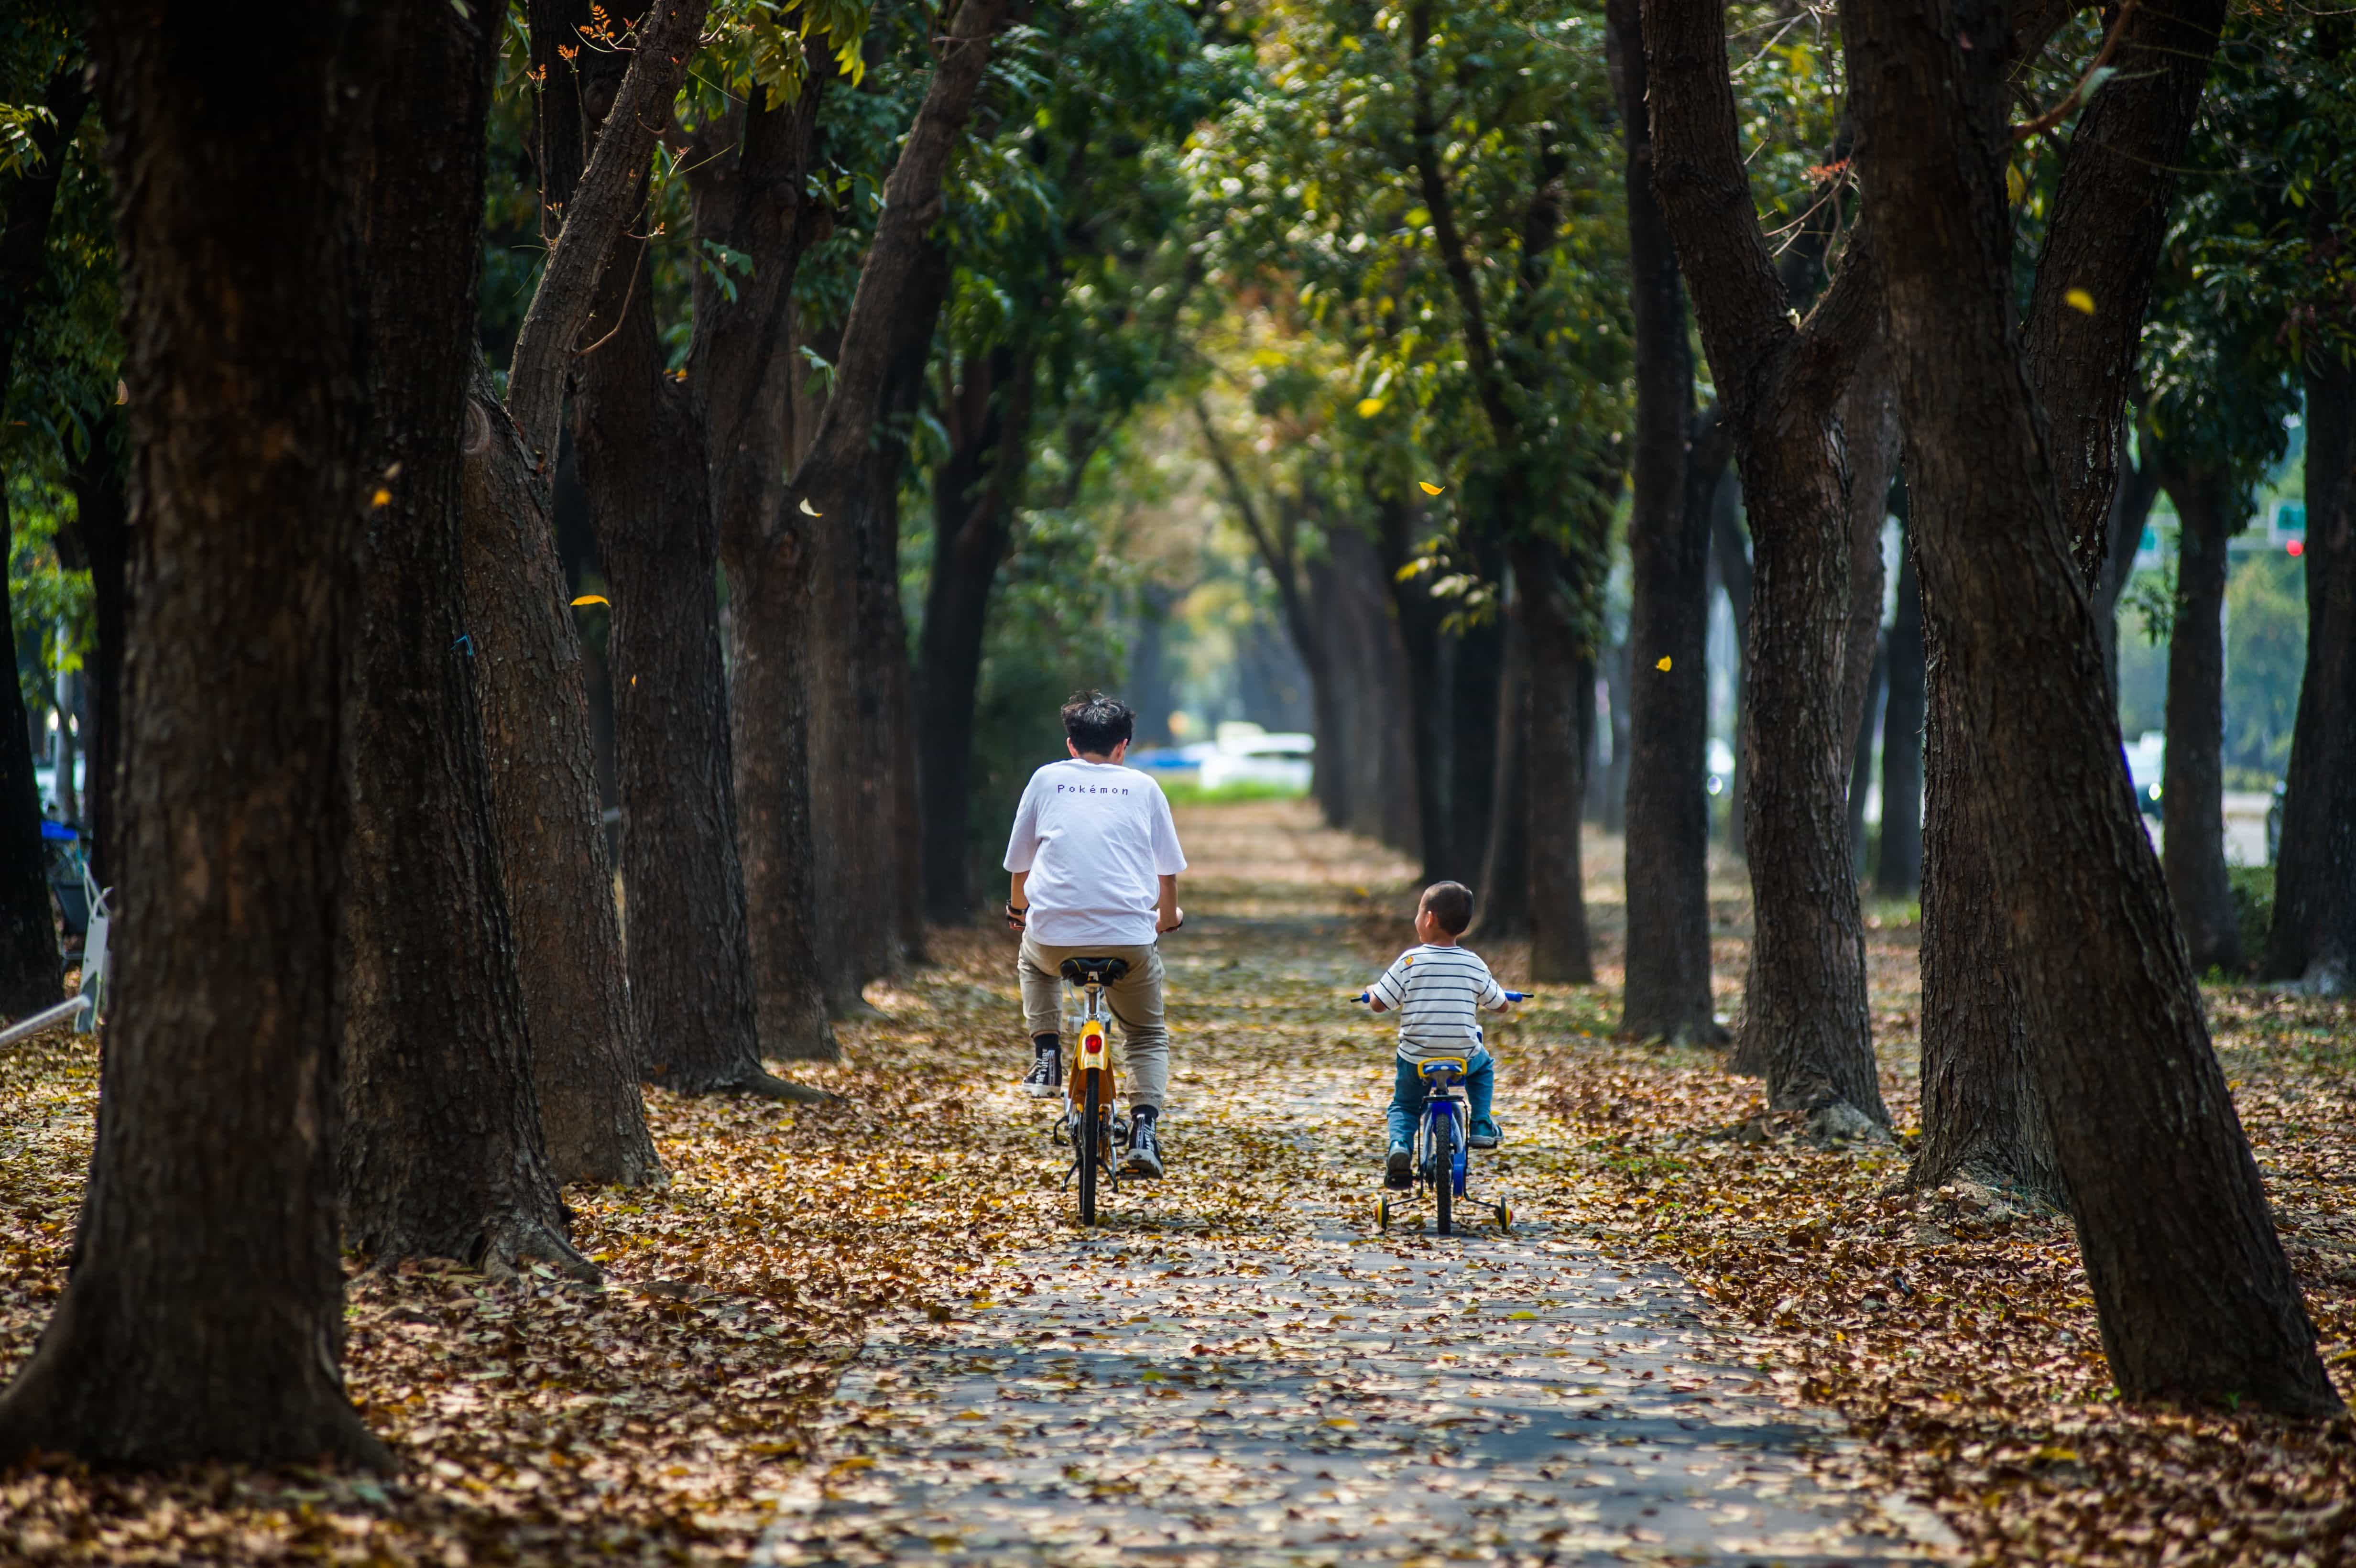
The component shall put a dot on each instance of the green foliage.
(2265, 658)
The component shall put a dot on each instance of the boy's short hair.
(1450, 904)
(1097, 723)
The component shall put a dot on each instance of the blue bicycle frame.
(1444, 1098)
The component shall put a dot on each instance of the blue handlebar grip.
(1361, 997)
(1517, 995)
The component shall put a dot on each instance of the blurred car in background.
(1246, 754)
(2147, 765)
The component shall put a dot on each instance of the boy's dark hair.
(1450, 904)
(1097, 723)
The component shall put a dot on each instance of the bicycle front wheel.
(1443, 1166)
(1090, 1140)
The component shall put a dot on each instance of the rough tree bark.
(2192, 792)
(28, 937)
(1419, 615)
(975, 491)
(1667, 994)
(1562, 677)
(2197, 1301)
(1503, 910)
(1804, 1024)
(848, 478)
(1897, 873)
(443, 1155)
(2313, 934)
(643, 463)
(102, 533)
(533, 698)
(203, 1318)
(1371, 713)
(1981, 1116)
(754, 197)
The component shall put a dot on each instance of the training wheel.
(1504, 1216)
(1382, 1213)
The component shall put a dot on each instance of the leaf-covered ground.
(672, 1416)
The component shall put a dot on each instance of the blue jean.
(1406, 1094)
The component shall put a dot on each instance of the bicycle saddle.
(1108, 971)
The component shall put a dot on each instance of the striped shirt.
(1437, 991)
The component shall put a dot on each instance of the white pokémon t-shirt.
(1095, 837)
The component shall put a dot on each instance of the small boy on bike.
(1437, 989)
(1095, 861)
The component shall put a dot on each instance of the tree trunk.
(742, 372)
(643, 463)
(2313, 934)
(1982, 1118)
(1372, 720)
(1899, 873)
(1562, 677)
(444, 1154)
(975, 491)
(849, 478)
(1418, 618)
(1502, 911)
(1612, 813)
(2192, 791)
(2197, 1300)
(1474, 677)
(203, 1318)
(1667, 994)
(1805, 1022)
(534, 708)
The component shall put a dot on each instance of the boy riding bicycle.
(1437, 989)
(1095, 861)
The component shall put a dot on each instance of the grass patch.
(1187, 791)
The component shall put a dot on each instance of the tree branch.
(595, 217)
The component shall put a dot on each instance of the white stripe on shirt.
(1436, 993)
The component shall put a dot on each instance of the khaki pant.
(1135, 1000)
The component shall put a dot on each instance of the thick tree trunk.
(742, 374)
(1503, 910)
(1371, 709)
(1982, 1119)
(975, 491)
(643, 463)
(2197, 1300)
(1562, 677)
(2313, 934)
(1418, 616)
(444, 1154)
(534, 708)
(1667, 994)
(1474, 677)
(1804, 1025)
(203, 1319)
(1899, 873)
(849, 477)
(2192, 792)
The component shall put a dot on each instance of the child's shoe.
(1045, 1079)
(1144, 1158)
(1486, 1134)
(1396, 1174)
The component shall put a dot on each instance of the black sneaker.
(1045, 1079)
(1396, 1174)
(1144, 1149)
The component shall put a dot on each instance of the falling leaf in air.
(2016, 186)
(1430, 489)
(1662, 663)
(593, 599)
(1369, 407)
(2080, 300)
(384, 497)
(809, 510)
(121, 391)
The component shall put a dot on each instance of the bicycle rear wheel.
(1089, 1137)
(1443, 1168)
